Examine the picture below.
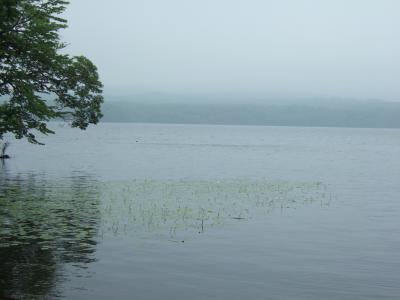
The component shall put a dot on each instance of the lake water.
(152, 211)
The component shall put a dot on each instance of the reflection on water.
(44, 225)
(110, 238)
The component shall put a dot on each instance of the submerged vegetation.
(47, 212)
(46, 224)
(183, 208)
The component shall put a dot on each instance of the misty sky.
(329, 48)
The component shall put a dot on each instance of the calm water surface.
(151, 211)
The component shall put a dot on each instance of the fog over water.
(285, 48)
(174, 196)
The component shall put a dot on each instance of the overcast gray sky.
(330, 48)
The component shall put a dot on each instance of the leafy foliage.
(33, 71)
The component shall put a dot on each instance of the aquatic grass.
(188, 206)
(60, 222)
(59, 213)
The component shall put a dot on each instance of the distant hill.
(340, 113)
